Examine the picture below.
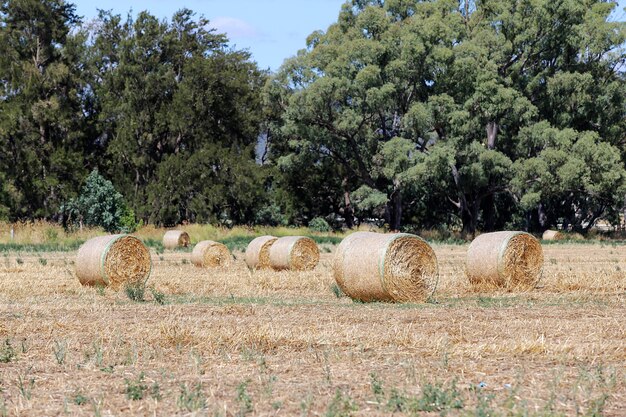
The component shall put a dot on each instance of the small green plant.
(341, 406)
(80, 399)
(43, 261)
(184, 261)
(155, 391)
(25, 384)
(135, 291)
(437, 398)
(397, 402)
(135, 390)
(19, 261)
(336, 290)
(243, 399)
(377, 387)
(191, 399)
(319, 224)
(60, 351)
(7, 353)
(158, 296)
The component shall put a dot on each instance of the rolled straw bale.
(385, 267)
(173, 239)
(552, 235)
(210, 254)
(510, 260)
(296, 253)
(258, 252)
(113, 261)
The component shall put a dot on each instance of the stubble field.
(234, 343)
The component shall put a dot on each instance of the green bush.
(100, 205)
(318, 224)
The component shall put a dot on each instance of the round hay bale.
(173, 239)
(510, 260)
(258, 252)
(210, 254)
(296, 253)
(553, 235)
(385, 267)
(113, 261)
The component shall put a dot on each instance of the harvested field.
(237, 342)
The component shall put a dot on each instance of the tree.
(179, 117)
(41, 140)
(98, 205)
(426, 101)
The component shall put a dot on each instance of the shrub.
(100, 205)
(318, 224)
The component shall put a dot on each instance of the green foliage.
(244, 400)
(191, 399)
(319, 224)
(7, 353)
(100, 205)
(135, 390)
(435, 114)
(341, 406)
(135, 291)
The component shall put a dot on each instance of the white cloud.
(235, 28)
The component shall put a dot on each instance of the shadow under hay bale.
(258, 252)
(173, 239)
(504, 260)
(210, 254)
(295, 253)
(386, 267)
(113, 261)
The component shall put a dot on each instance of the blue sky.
(272, 30)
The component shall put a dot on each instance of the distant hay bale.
(296, 253)
(210, 254)
(385, 267)
(553, 235)
(173, 239)
(258, 252)
(113, 261)
(509, 260)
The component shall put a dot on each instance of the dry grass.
(281, 343)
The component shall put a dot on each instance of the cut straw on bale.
(210, 254)
(385, 267)
(113, 261)
(173, 239)
(258, 252)
(295, 253)
(552, 235)
(507, 260)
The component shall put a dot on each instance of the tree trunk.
(396, 211)
(469, 217)
(489, 212)
(492, 134)
(348, 212)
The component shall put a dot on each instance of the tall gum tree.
(415, 98)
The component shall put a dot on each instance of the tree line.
(459, 114)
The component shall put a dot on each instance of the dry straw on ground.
(173, 239)
(296, 253)
(509, 260)
(258, 252)
(385, 267)
(552, 235)
(113, 261)
(210, 254)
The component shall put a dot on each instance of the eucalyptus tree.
(424, 106)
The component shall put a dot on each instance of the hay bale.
(113, 261)
(173, 239)
(553, 235)
(258, 252)
(385, 267)
(509, 260)
(296, 253)
(210, 254)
